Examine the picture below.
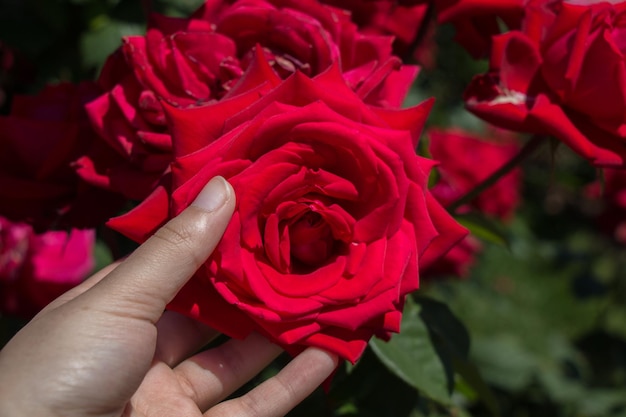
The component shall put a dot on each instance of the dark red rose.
(457, 262)
(476, 21)
(39, 140)
(332, 221)
(612, 218)
(466, 160)
(399, 19)
(37, 268)
(209, 57)
(562, 76)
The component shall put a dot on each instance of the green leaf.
(449, 337)
(484, 228)
(104, 38)
(412, 357)
(102, 255)
(452, 342)
(472, 377)
(445, 325)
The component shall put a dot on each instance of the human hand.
(106, 348)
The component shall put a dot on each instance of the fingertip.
(324, 357)
(215, 194)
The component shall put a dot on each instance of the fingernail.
(214, 195)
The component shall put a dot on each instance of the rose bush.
(332, 221)
(203, 59)
(563, 76)
(39, 141)
(37, 268)
(466, 160)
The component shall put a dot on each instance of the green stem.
(528, 149)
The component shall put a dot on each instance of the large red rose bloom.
(332, 222)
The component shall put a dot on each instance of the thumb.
(151, 276)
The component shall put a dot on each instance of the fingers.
(279, 394)
(214, 374)
(178, 337)
(141, 286)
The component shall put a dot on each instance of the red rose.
(39, 140)
(612, 219)
(37, 268)
(561, 76)
(466, 160)
(476, 21)
(457, 262)
(206, 58)
(402, 20)
(332, 220)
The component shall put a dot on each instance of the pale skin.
(107, 348)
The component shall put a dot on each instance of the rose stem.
(528, 149)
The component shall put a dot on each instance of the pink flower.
(37, 268)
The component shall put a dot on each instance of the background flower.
(37, 268)
(557, 77)
(210, 57)
(39, 141)
(466, 160)
(476, 21)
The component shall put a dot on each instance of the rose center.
(311, 239)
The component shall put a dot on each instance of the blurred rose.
(612, 219)
(207, 58)
(37, 268)
(457, 262)
(563, 76)
(39, 140)
(466, 160)
(399, 19)
(333, 215)
(476, 21)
